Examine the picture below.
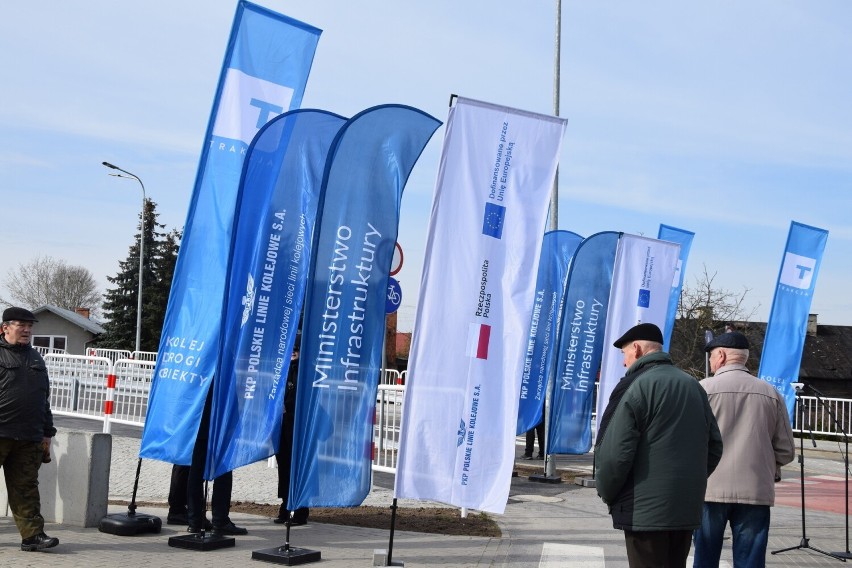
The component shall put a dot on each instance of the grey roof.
(75, 318)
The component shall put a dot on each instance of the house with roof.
(826, 357)
(65, 330)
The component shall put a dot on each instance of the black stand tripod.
(805, 542)
(846, 554)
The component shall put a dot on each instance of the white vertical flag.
(641, 285)
(482, 253)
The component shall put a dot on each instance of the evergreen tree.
(163, 269)
(120, 301)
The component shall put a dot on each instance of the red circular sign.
(396, 263)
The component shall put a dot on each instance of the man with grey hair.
(26, 425)
(657, 443)
(758, 440)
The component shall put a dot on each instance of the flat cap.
(731, 340)
(641, 332)
(18, 314)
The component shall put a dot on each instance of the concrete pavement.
(544, 526)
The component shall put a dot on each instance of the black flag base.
(129, 524)
(287, 555)
(544, 478)
(202, 541)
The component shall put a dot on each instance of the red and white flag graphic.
(478, 335)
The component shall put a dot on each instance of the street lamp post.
(141, 253)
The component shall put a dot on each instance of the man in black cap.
(758, 440)
(26, 425)
(657, 443)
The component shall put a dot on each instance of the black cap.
(731, 340)
(641, 332)
(18, 314)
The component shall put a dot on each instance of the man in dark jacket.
(657, 443)
(26, 425)
(284, 457)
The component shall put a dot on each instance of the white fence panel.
(386, 430)
(132, 387)
(78, 384)
(111, 354)
(823, 416)
(144, 356)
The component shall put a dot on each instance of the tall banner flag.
(580, 344)
(684, 239)
(788, 318)
(495, 178)
(264, 74)
(557, 248)
(641, 287)
(344, 320)
(270, 254)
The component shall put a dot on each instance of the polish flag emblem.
(478, 336)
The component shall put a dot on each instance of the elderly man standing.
(758, 441)
(657, 443)
(26, 425)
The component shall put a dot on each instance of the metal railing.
(98, 388)
(46, 350)
(144, 356)
(387, 427)
(82, 386)
(111, 354)
(78, 384)
(817, 416)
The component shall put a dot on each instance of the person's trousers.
(220, 502)
(537, 430)
(749, 532)
(656, 549)
(20, 461)
(284, 458)
(177, 490)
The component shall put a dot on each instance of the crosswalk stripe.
(554, 555)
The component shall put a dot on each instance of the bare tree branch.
(48, 281)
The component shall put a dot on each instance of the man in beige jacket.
(758, 440)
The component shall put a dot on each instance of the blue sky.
(729, 119)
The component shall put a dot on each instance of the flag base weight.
(202, 541)
(129, 524)
(544, 478)
(291, 556)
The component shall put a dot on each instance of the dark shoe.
(527, 456)
(38, 542)
(208, 526)
(177, 519)
(229, 529)
(539, 457)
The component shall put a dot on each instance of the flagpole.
(554, 197)
(550, 464)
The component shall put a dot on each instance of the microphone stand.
(805, 542)
(845, 554)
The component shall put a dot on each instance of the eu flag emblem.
(644, 298)
(492, 223)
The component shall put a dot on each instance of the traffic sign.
(394, 296)
(396, 263)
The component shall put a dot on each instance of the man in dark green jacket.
(26, 425)
(657, 443)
